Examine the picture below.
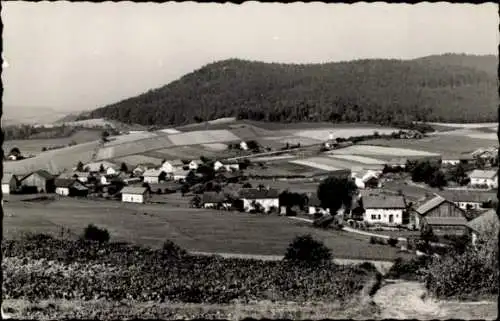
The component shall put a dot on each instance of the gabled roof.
(446, 221)
(254, 193)
(152, 172)
(468, 196)
(42, 173)
(180, 171)
(213, 197)
(485, 222)
(133, 190)
(430, 204)
(384, 201)
(68, 182)
(7, 177)
(173, 162)
(95, 167)
(482, 174)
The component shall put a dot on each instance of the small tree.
(170, 250)
(93, 233)
(79, 166)
(334, 192)
(184, 189)
(196, 201)
(124, 168)
(102, 169)
(305, 249)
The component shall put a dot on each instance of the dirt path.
(405, 300)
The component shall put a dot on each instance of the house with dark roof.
(384, 209)
(215, 200)
(484, 225)
(134, 194)
(438, 213)
(153, 176)
(9, 183)
(253, 197)
(70, 187)
(40, 181)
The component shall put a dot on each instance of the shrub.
(172, 250)
(392, 241)
(305, 249)
(93, 233)
(408, 269)
(373, 240)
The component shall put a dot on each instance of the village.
(229, 185)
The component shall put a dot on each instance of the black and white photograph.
(299, 161)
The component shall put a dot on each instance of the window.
(374, 217)
(379, 216)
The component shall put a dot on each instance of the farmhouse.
(440, 214)
(252, 197)
(228, 166)
(9, 183)
(170, 165)
(469, 199)
(314, 206)
(134, 194)
(483, 226)
(96, 167)
(482, 177)
(70, 187)
(215, 200)
(364, 179)
(39, 181)
(153, 176)
(193, 165)
(385, 209)
(138, 171)
(243, 145)
(180, 174)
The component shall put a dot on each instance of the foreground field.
(193, 229)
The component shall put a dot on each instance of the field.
(371, 150)
(54, 161)
(193, 229)
(34, 146)
(449, 146)
(330, 163)
(324, 134)
(135, 160)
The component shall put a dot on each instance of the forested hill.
(446, 88)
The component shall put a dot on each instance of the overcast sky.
(76, 56)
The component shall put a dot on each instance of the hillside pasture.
(54, 161)
(330, 163)
(470, 133)
(215, 146)
(371, 150)
(448, 146)
(315, 162)
(203, 137)
(169, 131)
(131, 137)
(133, 148)
(135, 160)
(465, 125)
(359, 159)
(183, 152)
(193, 229)
(34, 146)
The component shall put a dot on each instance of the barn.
(70, 187)
(40, 181)
(439, 214)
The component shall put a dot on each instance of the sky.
(66, 56)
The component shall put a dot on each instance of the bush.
(172, 250)
(408, 269)
(392, 241)
(305, 249)
(93, 233)
(373, 240)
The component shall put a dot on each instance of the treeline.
(25, 131)
(381, 91)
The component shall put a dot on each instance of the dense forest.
(446, 88)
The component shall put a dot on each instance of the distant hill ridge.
(440, 88)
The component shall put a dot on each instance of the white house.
(170, 165)
(384, 209)
(243, 146)
(152, 176)
(70, 187)
(484, 177)
(229, 166)
(111, 171)
(9, 183)
(193, 165)
(139, 170)
(450, 162)
(365, 178)
(132, 194)
(267, 198)
(314, 206)
(180, 174)
(468, 199)
(215, 200)
(96, 167)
